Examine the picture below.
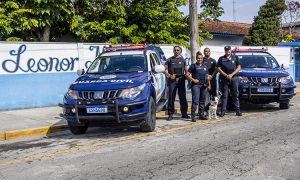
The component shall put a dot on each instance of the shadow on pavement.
(108, 133)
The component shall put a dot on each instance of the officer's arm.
(236, 70)
(186, 70)
(189, 75)
(168, 75)
(166, 71)
(214, 73)
(209, 86)
(193, 80)
(222, 72)
(219, 68)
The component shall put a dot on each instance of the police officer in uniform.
(199, 77)
(211, 65)
(175, 72)
(228, 66)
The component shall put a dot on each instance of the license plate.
(265, 89)
(96, 109)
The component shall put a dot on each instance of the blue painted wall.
(33, 90)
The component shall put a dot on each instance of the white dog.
(211, 107)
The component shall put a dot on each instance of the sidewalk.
(42, 121)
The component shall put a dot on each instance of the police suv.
(262, 79)
(124, 86)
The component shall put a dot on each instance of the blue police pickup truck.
(124, 86)
(263, 80)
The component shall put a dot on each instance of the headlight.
(244, 79)
(285, 79)
(72, 94)
(132, 92)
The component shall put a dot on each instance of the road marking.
(122, 139)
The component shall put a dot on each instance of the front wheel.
(150, 121)
(78, 129)
(284, 105)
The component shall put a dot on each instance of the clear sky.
(245, 10)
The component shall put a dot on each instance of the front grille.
(96, 95)
(263, 79)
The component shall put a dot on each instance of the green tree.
(112, 21)
(35, 20)
(136, 21)
(101, 20)
(265, 30)
(211, 9)
(159, 21)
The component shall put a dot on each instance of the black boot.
(202, 117)
(193, 117)
(185, 116)
(170, 117)
(222, 113)
(238, 113)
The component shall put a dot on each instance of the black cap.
(227, 48)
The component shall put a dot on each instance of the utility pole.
(233, 11)
(194, 32)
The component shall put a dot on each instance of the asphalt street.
(263, 144)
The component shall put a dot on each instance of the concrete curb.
(8, 135)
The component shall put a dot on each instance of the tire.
(150, 121)
(76, 130)
(285, 105)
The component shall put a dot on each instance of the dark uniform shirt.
(228, 66)
(176, 65)
(211, 64)
(199, 72)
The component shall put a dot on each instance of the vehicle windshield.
(118, 64)
(257, 61)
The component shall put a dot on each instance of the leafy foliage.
(211, 9)
(136, 21)
(113, 21)
(265, 30)
(32, 20)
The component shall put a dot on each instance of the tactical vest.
(200, 72)
(228, 66)
(176, 66)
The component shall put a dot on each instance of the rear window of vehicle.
(259, 60)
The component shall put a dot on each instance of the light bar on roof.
(124, 47)
(250, 49)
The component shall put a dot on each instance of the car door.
(159, 77)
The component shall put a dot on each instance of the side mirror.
(80, 72)
(159, 68)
